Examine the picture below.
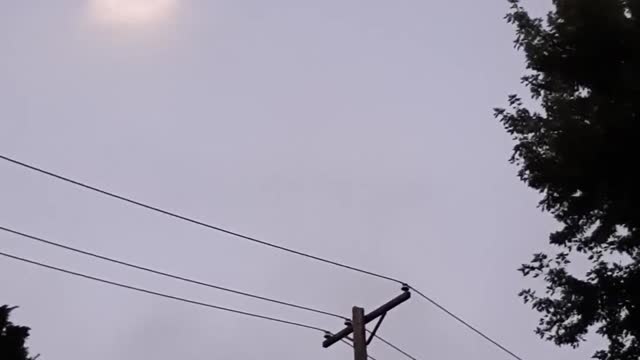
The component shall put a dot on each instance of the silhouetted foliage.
(12, 337)
(580, 151)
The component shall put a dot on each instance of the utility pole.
(359, 334)
(357, 325)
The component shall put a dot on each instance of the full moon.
(131, 11)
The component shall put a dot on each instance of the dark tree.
(12, 338)
(579, 146)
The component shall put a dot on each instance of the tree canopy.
(12, 337)
(577, 143)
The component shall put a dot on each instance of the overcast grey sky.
(356, 130)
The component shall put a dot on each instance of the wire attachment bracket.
(375, 329)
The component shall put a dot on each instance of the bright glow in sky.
(131, 11)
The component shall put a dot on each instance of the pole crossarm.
(331, 339)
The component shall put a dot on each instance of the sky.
(352, 130)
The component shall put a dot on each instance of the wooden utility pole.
(359, 335)
(358, 322)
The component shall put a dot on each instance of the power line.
(188, 280)
(350, 344)
(460, 320)
(255, 240)
(393, 346)
(166, 296)
(165, 274)
(196, 222)
(128, 287)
